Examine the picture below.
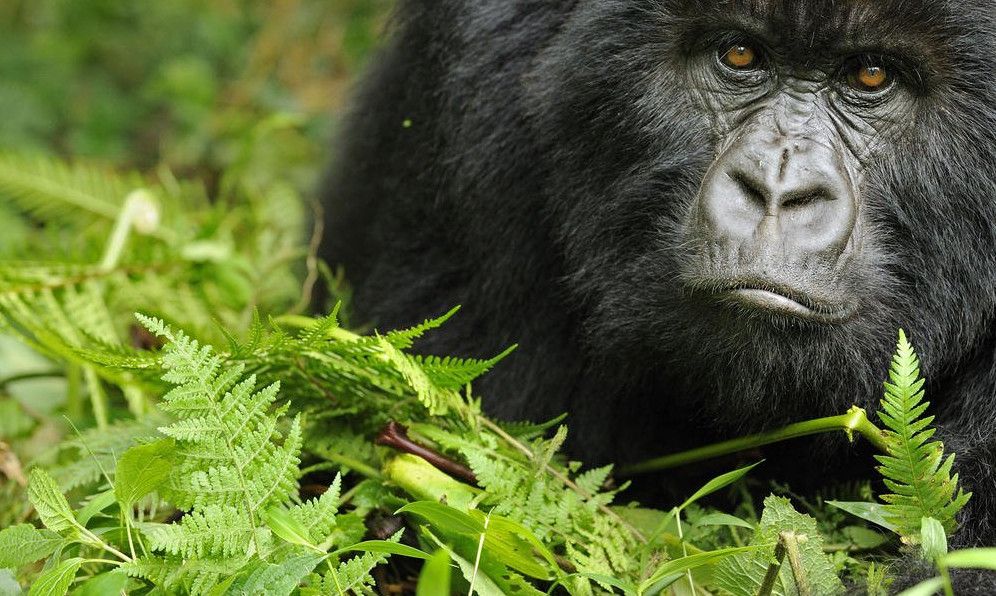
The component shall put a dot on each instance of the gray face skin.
(778, 218)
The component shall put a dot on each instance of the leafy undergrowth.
(221, 441)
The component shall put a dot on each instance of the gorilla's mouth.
(781, 300)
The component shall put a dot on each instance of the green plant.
(204, 422)
(915, 468)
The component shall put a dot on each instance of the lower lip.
(772, 301)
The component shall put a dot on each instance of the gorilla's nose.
(790, 198)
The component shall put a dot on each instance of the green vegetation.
(172, 420)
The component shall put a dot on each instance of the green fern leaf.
(405, 338)
(229, 452)
(915, 469)
(455, 373)
(353, 576)
(437, 399)
(210, 532)
(51, 189)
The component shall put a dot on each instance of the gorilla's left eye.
(868, 75)
(740, 56)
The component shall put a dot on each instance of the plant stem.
(854, 420)
(791, 541)
(771, 576)
(28, 376)
(353, 464)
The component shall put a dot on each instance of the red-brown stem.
(395, 435)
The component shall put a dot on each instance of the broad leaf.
(286, 526)
(678, 567)
(52, 507)
(444, 518)
(56, 581)
(873, 512)
(23, 544)
(434, 580)
(141, 470)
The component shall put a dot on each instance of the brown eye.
(869, 78)
(741, 57)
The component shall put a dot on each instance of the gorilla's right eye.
(740, 56)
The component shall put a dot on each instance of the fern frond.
(213, 531)
(405, 338)
(915, 469)
(455, 373)
(436, 398)
(53, 190)
(230, 450)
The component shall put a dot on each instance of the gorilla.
(697, 218)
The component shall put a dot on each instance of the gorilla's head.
(774, 187)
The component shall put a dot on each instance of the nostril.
(797, 200)
(752, 190)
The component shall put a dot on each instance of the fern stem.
(854, 420)
(354, 464)
(98, 398)
(139, 213)
(30, 376)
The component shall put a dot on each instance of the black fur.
(535, 160)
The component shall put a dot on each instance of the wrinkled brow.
(807, 27)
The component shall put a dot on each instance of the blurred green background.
(198, 86)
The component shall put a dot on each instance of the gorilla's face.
(775, 186)
(777, 225)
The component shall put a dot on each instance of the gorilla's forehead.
(845, 25)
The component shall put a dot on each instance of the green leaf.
(742, 575)
(864, 538)
(481, 581)
(112, 582)
(515, 546)
(434, 580)
(718, 483)
(385, 547)
(723, 519)
(8, 584)
(23, 544)
(141, 470)
(444, 518)
(971, 558)
(677, 567)
(94, 506)
(927, 588)
(56, 581)
(872, 512)
(933, 540)
(280, 579)
(915, 470)
(286, 526)
(626, 587)
(49, 502)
